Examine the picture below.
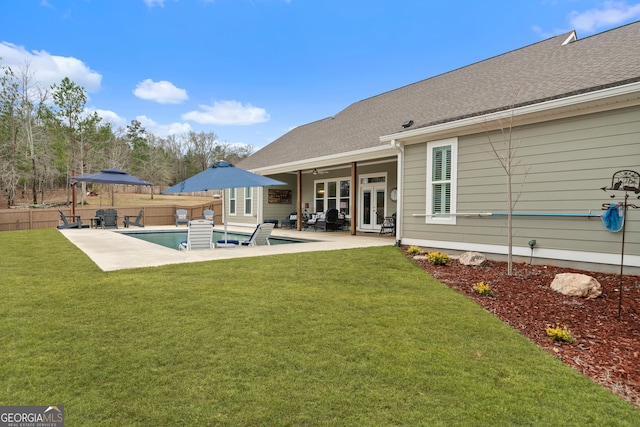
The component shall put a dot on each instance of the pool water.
(172, 239)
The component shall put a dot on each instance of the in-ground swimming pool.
(172, 239)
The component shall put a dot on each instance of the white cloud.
(153, 3)
(49, 69)
(162, 92)
(228, 113)
(163, 130)
(612, 13)
(109, 116)
(546, 34)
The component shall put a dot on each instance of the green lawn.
(345, 338)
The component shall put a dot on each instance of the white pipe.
(501, 214)
(456, 214)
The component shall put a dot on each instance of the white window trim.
(451, 219)
(248, 195)
(232, 191)
(325, 198)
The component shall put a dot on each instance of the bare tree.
(505, 152)
(116, 151)
(31, 97)
(9, 127)
(201, 149)
(233, 153)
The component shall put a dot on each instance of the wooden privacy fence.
(31, 219)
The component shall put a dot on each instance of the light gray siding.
(281, 211)
(239, 218)
(563, 165)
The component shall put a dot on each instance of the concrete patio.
(111, 250)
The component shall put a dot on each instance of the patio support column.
(73, 193)
(299, 196)
(354, 198)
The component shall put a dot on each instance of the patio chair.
(388, 225)
(291, 221)
(210, 215)
(110, 218)
(329, 222)
(260, 236)
(70, 221)
(199, 235)
(133, 220)
(313, 220)
(182, 217)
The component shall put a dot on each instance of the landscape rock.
(577, 285)
(420, 257)
(472, 258)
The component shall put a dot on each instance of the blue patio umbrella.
(111, 176)
(220, 176)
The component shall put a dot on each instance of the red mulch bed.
(606, 349)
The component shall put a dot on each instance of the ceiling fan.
(317, 172)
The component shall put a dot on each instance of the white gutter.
(616, 97)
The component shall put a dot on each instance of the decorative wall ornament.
(625, 181)
(282, 197)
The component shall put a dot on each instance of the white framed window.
(319, 196)
(442, 169)
(248, 201)
(345, 197)
(333, 193)
(232, 201)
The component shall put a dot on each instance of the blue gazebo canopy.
(112, 176)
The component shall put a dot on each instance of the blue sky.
(251, 70)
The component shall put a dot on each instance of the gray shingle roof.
(535, 73)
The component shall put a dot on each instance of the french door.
(372, 208)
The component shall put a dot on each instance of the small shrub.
(558, 333)
(413, 250)
(483, 289)
(437, 258)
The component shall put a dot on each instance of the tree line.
(46, 136)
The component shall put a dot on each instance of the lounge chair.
(110, 218)
(182, 217)
(199, 235)
(260, 236)
(133, 220)
(71, 221)
(210, 215)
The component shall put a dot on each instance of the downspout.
(400, 201)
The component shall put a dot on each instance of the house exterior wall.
(237, 218)
(281, 211)
(563, 164)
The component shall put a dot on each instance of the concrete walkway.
(110, 250)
